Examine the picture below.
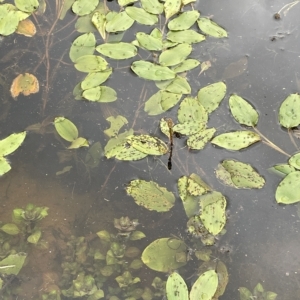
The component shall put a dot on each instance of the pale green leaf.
(90, 63)
(12, 264)
(149, 42)
(141, 16)
(66, 129)
(11, 143)
(28, 6)
(184, 21)
(84, 7)
(288, 190)
(117, 50)
(186, 65)
(83, 45)
(152, 6)
(116, 123)
(176, 288)
(119, 22)
(175, 55)
(211, 28)
(185, 36)
(198, 140)
(94, 79)
(289, 111)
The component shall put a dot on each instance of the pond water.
(259, 61)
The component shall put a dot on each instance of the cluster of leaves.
(258, 293)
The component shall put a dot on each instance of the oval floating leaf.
(176, 288)
(84, 7)
(24, 83)
(10, 228)
(175, 55)
(236, 140)
(90, 63)
(198, 140)
(282, 169)
(79, 142)
(4, 165)
(99, 21)
(117, 50)
(166, 260)
(83, 45)
(179, 85)
(288, 190)
(119, 22)
(149, 42)
(294, 161)
(94, 79)
(151, 71)
(171, 8)
(27, 5)
(150, 195)
(211, 28)
(152, 6)
(115, 125)
(242, 111)
(185, 36)
(141, 16)
(11, 143)
(211, 95)
(186, 65)
(184, 21)
(289, 111)
(66, 129)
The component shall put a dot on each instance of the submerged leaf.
(117, 50)
(236, 140)
(211, 28)
(288, 190)
(289, 111)
(12, 264)
(150, 195)
(166, 260)
(242, 111)
(282, 169)
(176, 288)
(79, 142)
(4, 165)
(141, 16)
(99, 21)
(11, 144)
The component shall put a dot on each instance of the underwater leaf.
(79, 142)
(93, 156)
(245, 294)
(10, 228)
(211, 95)
(152, 6)
(211, 28)
(34, 237)
(67, 4)
(84, 7)
(64, 170)
(150, 195)
(184, 21)
(24, 83)
(4, 165)
(84, 45)
(137, 235)
(27, 5)
(95, 78)
(197, 141)
(151, 71)
(84, 24)
(243, 175)
(26, 27)
(166, 260)
(77, 91)
(205, 286)
(147, 144)
(11, 143)
(185, 36)
(186, 65)
(141, 16)
(117, 50)
(175, 55)
(289, 111)
(176, 288)
(99, 21)
(282, 169)
(90, 63)
(149, 42)
(294, 161)
(236, 140)
(242, 111)
(212, 213)
(66, 129)
(12, 264)
(171, 8)
(120, 22)
(288, 190)
(125, 2)
(179, 85)
(116, 123)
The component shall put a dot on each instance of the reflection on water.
(259, 61)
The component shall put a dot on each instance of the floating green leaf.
(185, 36)
(179, 85)
(198, 140)
(94, 79)
(152, 6)
(66, 129)
(79, 142)
(150, 195)
(84, 24)
(9, 19)
(141, 16)
(282, 169)
(92, 94)
(211, 28)
(119, 22)
(242, 111)
(151, 71)
(242, 175)
(166, 260)
(185, 2)
(289, 111)
(83, 45)
(210, 96)
(10, 228)
(147, 144)
(99, 21)
(294, 161)
(160, 102)
(184, 21)
(93, 156)
(27, 5)
(149, 42)
(212, 214)
(117, 50)
(288, 190)
(171, 8)
(125, 2)
(205, 286)
(4, 165)
(128, 153)
(175, 55)
(84, 7)
(115, 125)
(12, 264)
(11, 143)
(186, 65)
(107, 95)
(90, 63)
(236, 140)
(176, 288)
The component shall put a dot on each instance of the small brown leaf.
(26, 84)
